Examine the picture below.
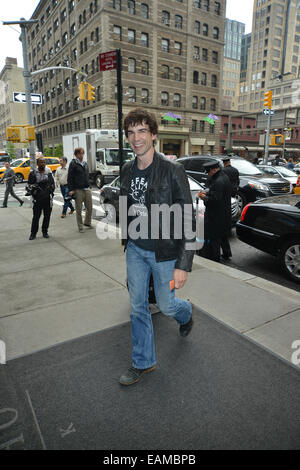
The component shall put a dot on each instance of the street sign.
(20, 97)
(108, 61)
(268, 111)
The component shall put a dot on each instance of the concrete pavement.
(73, 285)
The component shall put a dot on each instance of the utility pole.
(26, 73)
(120, 103)
(268, 104)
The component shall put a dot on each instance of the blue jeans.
(140, 265)
(65, 193)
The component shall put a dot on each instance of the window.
(205, 55)
(196, 53)
(195, 102)
(98, 93)
(217, 8)
(215, 57)
(131, 36)
(97, 34)
(145, 67)
(165, 98)
(177, 74)
(178, 47)
(178, 21)
(204, 79)
(63, 15)
(117, 33)
(195, 77)
(71, 5)
(61, 110)
(55, 25)
(211, 129)
(194, 125)
(205, 29)
(216, 33)
(202, 126)
(64, 38)
(73, 30)
(213, 104)
(197, 3)
(131, 7)
(214, 81)
(165, 18)
(132, 94)
(165, 45)
(74, 54)
(131, 65)
(145, 95)
(202, 103)
(144, 11)
(165, 71)
(205, 5)
(197, 27)
(117, 4)
(49, 33)
(145, 39)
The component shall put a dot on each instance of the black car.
(253, 184)
(109, 199)
(273, 226)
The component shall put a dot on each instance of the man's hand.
(202, 194)
(71, 193)
(180, 278)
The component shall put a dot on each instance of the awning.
(196, 141)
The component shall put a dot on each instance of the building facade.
(11, 80)
(274, 52)
(172, 55)
(234, 32)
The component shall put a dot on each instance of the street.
(245, 257)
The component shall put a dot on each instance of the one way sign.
(20, 97)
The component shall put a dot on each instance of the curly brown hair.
(140, 116)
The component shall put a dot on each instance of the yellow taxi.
(297, 187)
(21, 167)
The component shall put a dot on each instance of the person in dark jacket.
(79, 186)
(9, 179)
(233, 175)
(151, 243)
(42, 186)
(217, 217)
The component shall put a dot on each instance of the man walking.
(42, 185)
(150, 180)
(9, 179)
(217, 217)
(61, 179)
(79, 185)
(233, 175)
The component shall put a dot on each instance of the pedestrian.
(148, 180)
(42, 186)
(233, 175)
(79, 186)
(217, 216)
(61, 179)
(9, 179)
(290, 164)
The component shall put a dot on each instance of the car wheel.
(99, 180)
(289, 258)
(241, 200)
(19, 178)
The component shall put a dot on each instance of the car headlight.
(259, 186)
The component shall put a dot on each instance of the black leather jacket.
(167, 184)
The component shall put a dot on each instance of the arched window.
(214, 81)
(117, 4)
(197, 27)
(165, 18)
(165, 98)
(145, 95)
(202, 103)
(177, 74)
(205, 29)
(178, 21)
(145, 67)
(131, 7)
(213, 104)
(165, 71)
(144, 11)
(195, 102)
(196, 77)
(132, 94)
(177, 100)
(216, 33)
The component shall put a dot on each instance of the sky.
(10, 46)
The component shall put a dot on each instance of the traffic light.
(277, 139)
(268, 100)
(90, 92)
(82, 90)
(13, 134)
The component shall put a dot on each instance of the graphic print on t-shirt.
(137, 193)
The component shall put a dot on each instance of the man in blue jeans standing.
(61, 179)
(153, 245)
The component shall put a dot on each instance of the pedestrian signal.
(30, 133)
(13, 134)
(277, 139)
(268, 100)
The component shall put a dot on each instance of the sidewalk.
(73, 284)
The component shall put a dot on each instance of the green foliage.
(59, 150)
(10, 149)
(48, 151)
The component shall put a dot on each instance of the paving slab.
(44, 327)
(279, 335)
(51, 284)
(234, 302)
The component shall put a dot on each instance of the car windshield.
(112, 156)
(16, 163)
(245, 168)
(286, 171)
(194, 185)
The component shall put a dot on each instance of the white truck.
(101, 152)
